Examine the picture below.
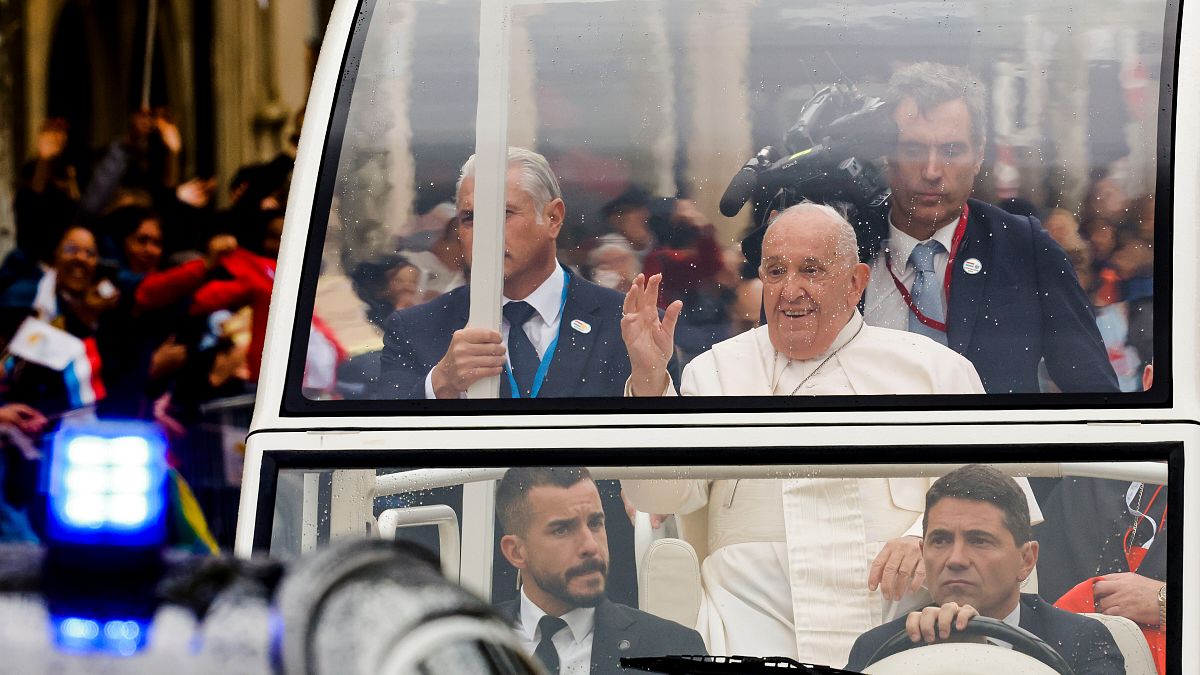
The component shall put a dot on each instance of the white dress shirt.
(885, 307)
(573, 643)
(1013, 619)
(541, 328)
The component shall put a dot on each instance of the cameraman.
(690, 262)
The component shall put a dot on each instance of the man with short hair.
(554, 534)
(559, 336)
(977, 549)
(993, 286)
(781, 579)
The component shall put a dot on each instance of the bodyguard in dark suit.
(1012, 298)
(977, 549)
(560, 337)
(554, 533)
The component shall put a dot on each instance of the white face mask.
(607, 278)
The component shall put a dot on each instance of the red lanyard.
(955, 242)
(1134, 555)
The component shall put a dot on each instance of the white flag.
(38, 342)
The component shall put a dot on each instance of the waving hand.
(649, 340)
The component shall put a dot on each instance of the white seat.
(1131, 642)
(669, 581)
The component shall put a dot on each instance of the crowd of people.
(158, 298)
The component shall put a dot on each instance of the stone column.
(238, 85)
(719, 141)
(39, 18)
(651, 69)
(523, 119)
(9, 161)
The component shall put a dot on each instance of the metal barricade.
(210, 459)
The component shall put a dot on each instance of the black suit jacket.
(1084, 642)
(1025, 305)
(1083, 533)
(623, 632)
(592, 363)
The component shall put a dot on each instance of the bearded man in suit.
(554, 533)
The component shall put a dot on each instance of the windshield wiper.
(726, 665)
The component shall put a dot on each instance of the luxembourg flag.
(77, 359)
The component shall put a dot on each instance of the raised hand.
(649, 340)
(168, 131)
(196, 192)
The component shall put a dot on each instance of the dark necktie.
(546, 653)
(522, 357)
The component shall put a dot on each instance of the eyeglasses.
(79, 251)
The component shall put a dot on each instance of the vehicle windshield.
(817, 563)
(998, 164)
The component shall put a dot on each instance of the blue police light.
(107, 486)
(122, 637)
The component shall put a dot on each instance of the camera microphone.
(745, 182)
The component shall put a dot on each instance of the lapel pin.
(581, 326)
(972, 266)
(623, 645)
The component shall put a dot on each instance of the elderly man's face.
(810, 288)
(529, 235)
(971, 557)
(933, 168)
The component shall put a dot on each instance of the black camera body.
(828, 159)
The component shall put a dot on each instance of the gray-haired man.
(799, 567)
(560, 335)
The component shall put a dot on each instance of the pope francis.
(799, 567)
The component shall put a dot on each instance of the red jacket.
(683, 271)
(253, 277)
(160, 289)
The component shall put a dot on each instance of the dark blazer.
(623, 632)
(1084, 642)
(594, 363)
(1083, 532)
(1025, 305)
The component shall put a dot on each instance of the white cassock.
(786, 573)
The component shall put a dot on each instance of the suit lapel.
(966, 290)
(574, 348)
(1031, 620)
(611, 638)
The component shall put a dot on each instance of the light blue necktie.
(926, 291)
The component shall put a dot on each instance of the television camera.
(827, 157)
